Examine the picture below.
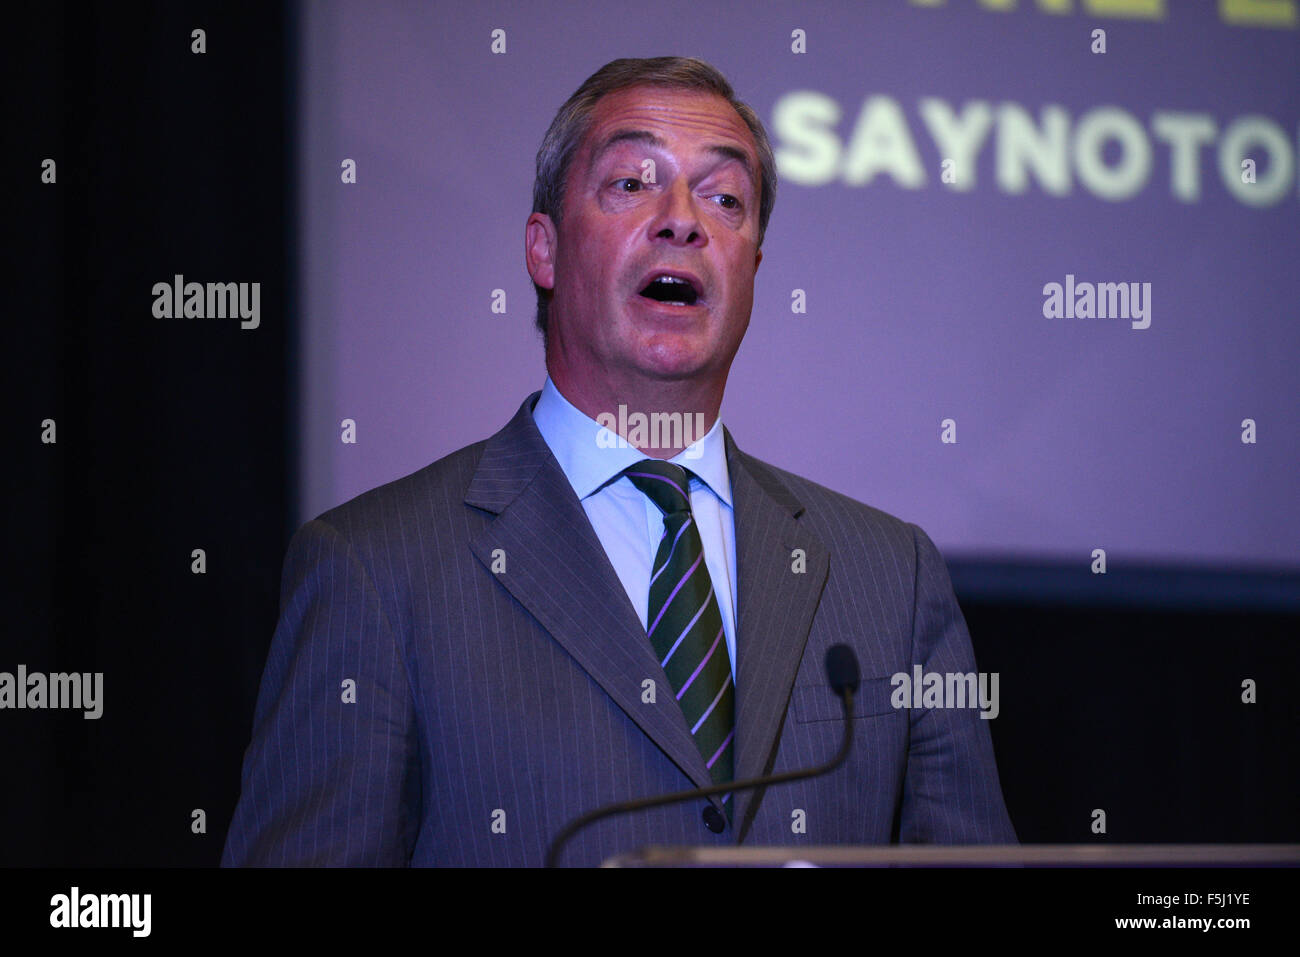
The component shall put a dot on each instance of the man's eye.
(732, 202)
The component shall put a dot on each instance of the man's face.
(697, 219)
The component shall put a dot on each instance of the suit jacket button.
(713, 819)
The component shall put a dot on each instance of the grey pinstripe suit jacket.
(493, 706)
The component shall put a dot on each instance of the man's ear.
(758, 258)
(540, 245)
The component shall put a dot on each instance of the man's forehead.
(650, 116)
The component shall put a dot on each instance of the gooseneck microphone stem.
(641, 804)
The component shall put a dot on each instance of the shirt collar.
(572, 437)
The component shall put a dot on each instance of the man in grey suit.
(580, 610)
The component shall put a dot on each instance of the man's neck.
(660, 421)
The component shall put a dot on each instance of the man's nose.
(678, 217)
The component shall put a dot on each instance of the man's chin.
(693, 369)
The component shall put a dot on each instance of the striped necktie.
(684, 621)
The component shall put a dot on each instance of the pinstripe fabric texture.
(457, 672)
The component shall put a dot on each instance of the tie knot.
(664, 482)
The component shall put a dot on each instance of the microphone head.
(842, 669)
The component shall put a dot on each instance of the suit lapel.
(558, 570)
(776, 605)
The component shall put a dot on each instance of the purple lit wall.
(924, 279)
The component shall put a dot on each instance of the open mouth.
(671, 290)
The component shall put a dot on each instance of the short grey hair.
(571, 123)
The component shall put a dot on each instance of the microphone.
(841, 673)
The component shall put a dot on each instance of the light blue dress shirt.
(628, 524)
